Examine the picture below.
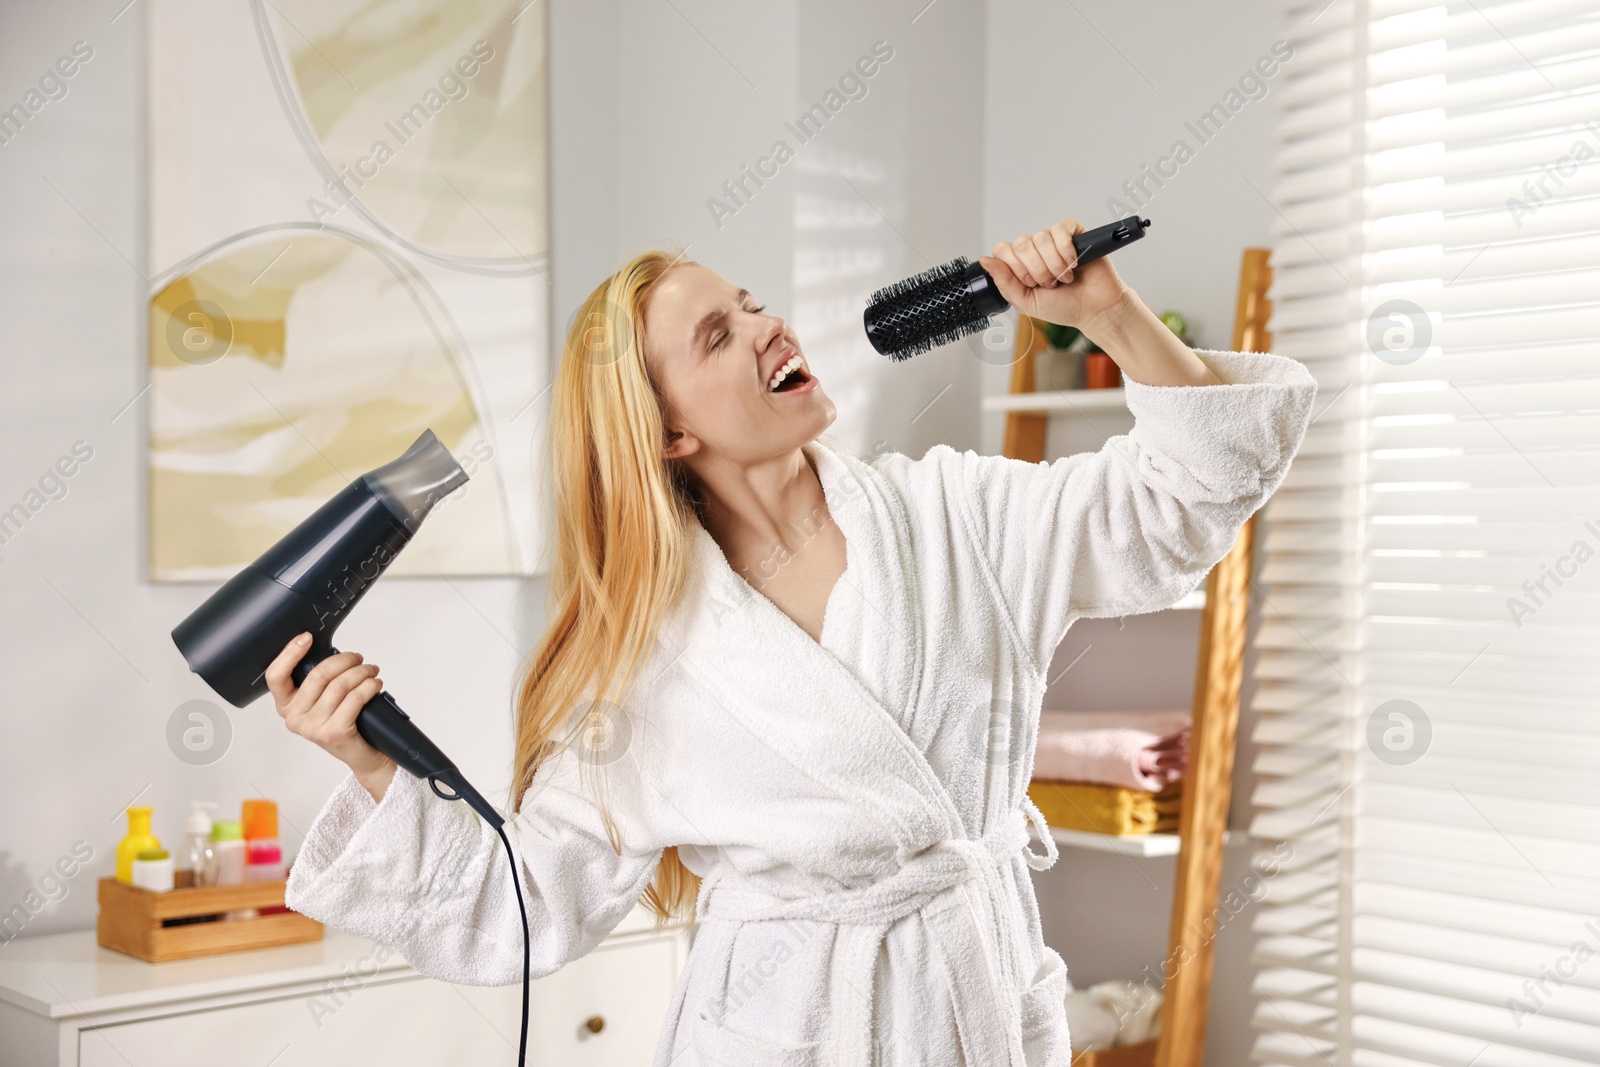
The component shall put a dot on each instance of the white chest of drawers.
(66, 1002)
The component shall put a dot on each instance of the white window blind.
(1428, 672)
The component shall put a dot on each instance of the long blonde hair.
(620, 538)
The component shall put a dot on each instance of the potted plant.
(1060, 366)
(1073, 361)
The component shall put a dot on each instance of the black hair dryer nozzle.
(309, 581)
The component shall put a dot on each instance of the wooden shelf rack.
(1208, 781)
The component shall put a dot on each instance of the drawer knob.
(595, 1023)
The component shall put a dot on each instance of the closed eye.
(722, 338)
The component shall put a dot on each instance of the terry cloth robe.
(856, 807)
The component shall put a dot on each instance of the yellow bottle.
(139, 838)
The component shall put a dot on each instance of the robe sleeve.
(1138, 524)
(430, 879)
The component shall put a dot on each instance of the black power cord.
(527, 947)
(527, 951)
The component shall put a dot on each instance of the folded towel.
(1108, 1014)
(1107, 809)
(1137, 749)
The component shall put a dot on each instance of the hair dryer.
(949, 301)
(309, 581)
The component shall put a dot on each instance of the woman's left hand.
(1038, 275)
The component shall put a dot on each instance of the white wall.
(1078, 104)
(91, 677)
(654, 123)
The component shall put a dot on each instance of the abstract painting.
(348, 244)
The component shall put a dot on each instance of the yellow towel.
(1107, 809)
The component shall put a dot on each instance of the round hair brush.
(956, 298)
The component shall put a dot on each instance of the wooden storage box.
(132, 920)
(1141, 1055)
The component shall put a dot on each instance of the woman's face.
(714, 353)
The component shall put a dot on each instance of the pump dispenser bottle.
(198, 856)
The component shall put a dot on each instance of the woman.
(816, 679)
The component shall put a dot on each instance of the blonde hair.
(620, 538)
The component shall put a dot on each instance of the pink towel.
(1145, 750)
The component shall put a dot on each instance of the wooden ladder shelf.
(1219, 673)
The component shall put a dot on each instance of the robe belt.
(932, 883)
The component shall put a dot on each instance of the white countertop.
(66, 975)
(63, 976)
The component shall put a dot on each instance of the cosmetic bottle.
(152, 869)
(227, 844)
(263, 861)
(198, 857)
(263, 855)
(227, 841)
(139, 838)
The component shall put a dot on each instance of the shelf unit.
(1080, 400)
(1142, 846)
(1193, 602)
(1219, 674)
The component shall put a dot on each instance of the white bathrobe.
(856, 808)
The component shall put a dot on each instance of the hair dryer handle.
(1103, 240)
(386, 727)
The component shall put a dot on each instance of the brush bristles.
(923, 312)
(917, 281)
(927, 344)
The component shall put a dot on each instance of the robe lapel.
(800, 698)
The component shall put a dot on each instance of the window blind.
(1427, 683)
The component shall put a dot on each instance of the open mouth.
(792, 375)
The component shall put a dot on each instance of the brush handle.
(386, 727)
(1103, 240)
(1090, 245)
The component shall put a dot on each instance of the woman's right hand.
(324, 707)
